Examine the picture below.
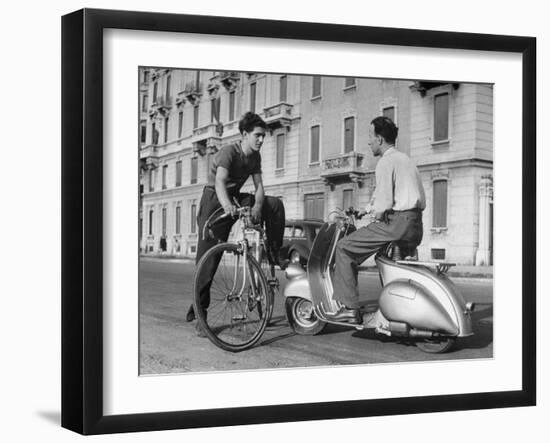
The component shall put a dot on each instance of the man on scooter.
(397, 204)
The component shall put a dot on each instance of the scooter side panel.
(407, 302)
(439, 286)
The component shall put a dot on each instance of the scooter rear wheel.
(436, 345)
(301, 316)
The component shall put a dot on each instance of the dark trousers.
(273, 214)
(351, 251)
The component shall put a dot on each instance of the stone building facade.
(316, 157)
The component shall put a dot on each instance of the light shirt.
(398, 183)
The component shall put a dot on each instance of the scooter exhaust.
(404, 330)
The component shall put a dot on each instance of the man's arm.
(258, 196)
(383, 194)
(222, 174)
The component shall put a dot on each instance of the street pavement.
(169, 344)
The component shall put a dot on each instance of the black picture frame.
(82, 218)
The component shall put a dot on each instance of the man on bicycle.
(231, 167)
(398, 203)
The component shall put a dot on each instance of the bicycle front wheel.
(237, 297)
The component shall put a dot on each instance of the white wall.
(30, 287)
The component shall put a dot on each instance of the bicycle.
(243, 287)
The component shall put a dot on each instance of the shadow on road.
(482, 326)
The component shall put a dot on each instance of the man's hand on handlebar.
(256, 213)
(230, 210)
(369, 210)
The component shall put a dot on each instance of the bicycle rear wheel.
(240, 302)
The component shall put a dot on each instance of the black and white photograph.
(295, 220)
(250, 221)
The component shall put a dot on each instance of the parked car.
(297, 241)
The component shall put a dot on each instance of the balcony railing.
(229, 79)
(344, 168)
(192, 92)
(206, 137)
(279, 115)
(149, 157)
(162, 104)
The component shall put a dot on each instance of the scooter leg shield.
(408, 302)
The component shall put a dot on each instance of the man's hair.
(249, 121)
(385, 127)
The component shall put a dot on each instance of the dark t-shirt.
(240, 167)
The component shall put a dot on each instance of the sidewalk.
(456, 271)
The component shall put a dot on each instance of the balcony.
(207, 138)
(161, 105)
(149, 157)
(344, 168)
(229, 80)
(424, 87)
(192, 92)
(180, 99)
(278, 116)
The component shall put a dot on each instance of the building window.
(349, 134)
(389, 112)
(316, 86)
(178, 172)
(215, 104)
(144, 102)
(151, 180)
(180, 124)
(151, 214)
(314, 149)
(440, 204)
(441, 117)
(166, 130)
(145, 76)
(283, 88)
(155, 134)
(178, 219)
(280, 163)
(438, 254)
(164, 222)
(194, 164)
(167, 93)
(164, 173)
(347, 199)
(140, 228)
(232, 106)
(193, 218)
(198, 80)
(195, 116)
(349, 82)
(155, 91)
(314, 206)
(143, 133)
(253, 97)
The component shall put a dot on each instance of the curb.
(368, 269)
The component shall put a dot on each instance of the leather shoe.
(190, 314)
(347, 315)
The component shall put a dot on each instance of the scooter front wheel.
(301, 316)
(436, 345)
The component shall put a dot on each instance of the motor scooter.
(418, 302)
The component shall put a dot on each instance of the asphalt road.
(168, 344)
